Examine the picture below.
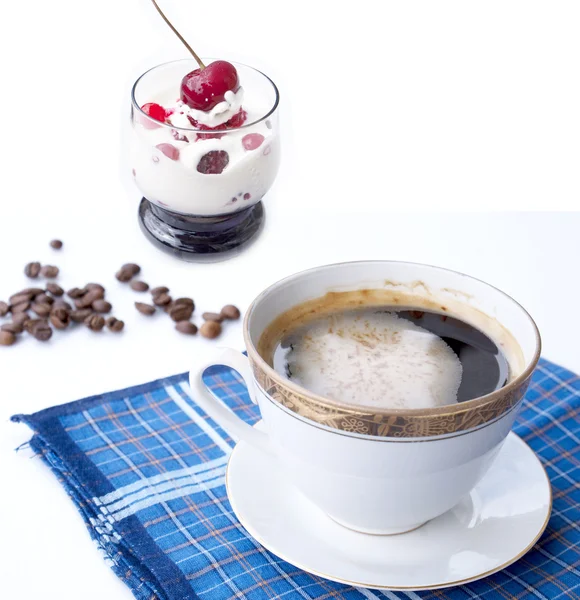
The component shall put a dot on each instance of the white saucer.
(490, 529)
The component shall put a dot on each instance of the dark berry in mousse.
(203, 89)
(214, 162)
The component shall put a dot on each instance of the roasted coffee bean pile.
(50, 310)
(39, 310)
(179, 310)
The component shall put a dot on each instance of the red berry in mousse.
(169, 150)
(251, 141)
(203, 89)
(155, 111)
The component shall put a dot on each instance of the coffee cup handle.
(214, 407)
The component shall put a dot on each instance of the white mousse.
(177, 184)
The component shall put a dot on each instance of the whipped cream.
(219, 114)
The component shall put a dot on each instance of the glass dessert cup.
(203, 187)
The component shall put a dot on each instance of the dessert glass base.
(201, 239)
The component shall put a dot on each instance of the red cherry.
(203, 89)
(169, 150)
(155, 111)
(214, 162)
(251, 141)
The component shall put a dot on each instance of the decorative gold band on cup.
(384, 422)
(398, 424)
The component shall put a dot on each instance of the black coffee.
(391, 358)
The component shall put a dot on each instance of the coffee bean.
(186, 327)
(62, 304)
(41, 330)
(56, 310)
(183, 302)
(230, 312)
(7, 338)
(78, 316)
(20, 297)
(31, 324)
(95, 286)
(115, 325)
(211, 316)
(187, 301)
(132, 268)
(102, 306)
(159, 290)
(54, 289)
(95, 294)
(44, 299)
(90, 297)
(161, 299)
(210, 329)
(12, 327)
(20, 307)
(127, 272)
(59, 318)
(49, 271)
(56, 244)
(76, 292)
(20, 318)
(139, 286)
(145, 309)
(124, 276)
(32, 270)
(95, 322)
(180, 312)
(32, 291)
(4, 308)
(41, 309)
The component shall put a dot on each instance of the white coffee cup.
(379, 471)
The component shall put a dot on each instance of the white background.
(413, 106)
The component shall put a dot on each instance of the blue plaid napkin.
(149, 482)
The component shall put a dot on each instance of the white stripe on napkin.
(166, 486)
(136, 486)
(203, 486)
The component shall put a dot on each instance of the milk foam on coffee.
(373, 358)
